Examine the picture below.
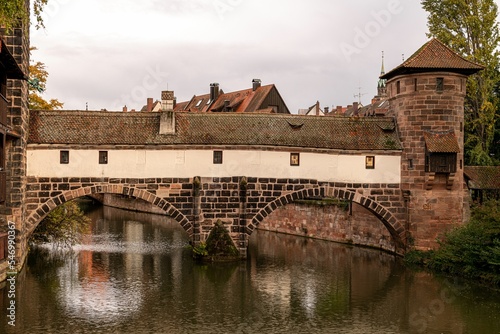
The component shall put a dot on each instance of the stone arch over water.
(51, 203)
(388, 219)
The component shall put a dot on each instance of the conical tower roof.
(434, 56)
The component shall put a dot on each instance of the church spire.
(381, 87)
(382, 70)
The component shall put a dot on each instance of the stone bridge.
(242, 202)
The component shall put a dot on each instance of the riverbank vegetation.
(471, 251)
(63, 226)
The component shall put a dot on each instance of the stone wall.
(436, 200)
(14, 209)
(351, 225)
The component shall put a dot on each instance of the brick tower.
(426, 95)
(14, 120)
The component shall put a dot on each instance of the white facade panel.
(189, 163)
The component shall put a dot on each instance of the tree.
(470, 28)
(37, 85)
(62, 226)
(12, 12)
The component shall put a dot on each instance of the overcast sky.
(111, 53)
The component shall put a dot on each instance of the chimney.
(167, 123)
(339, 110)
(317, 108)
(256, 84)
(125, 109)
(355, 106)
(167, 100)
(214, 91)
(226, 105)
(327, 109)
(149, 104)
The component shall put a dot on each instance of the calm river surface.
(134, 274)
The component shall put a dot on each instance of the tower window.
(415, 84)
(439, 84)
(398, 87)
(410, 164)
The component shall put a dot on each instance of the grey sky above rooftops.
(113, 53)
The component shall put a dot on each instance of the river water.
(133, 274)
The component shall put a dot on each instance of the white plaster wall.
(189, 163)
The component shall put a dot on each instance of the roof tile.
(483, 177)
(434, 55)
(441, 142)
(104, 128)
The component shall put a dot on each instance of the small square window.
(103, 157)
(294, 159)
(439, 84)
(64, 157)
(410, 164)
(217, 157)
(370, 162)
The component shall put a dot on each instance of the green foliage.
(14, 12)
(471, 251)
(37, 85)
(471, 29)
(200, 250)
(219, 242)
(218, 247)
(62, 226)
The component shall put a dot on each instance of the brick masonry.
(355, 225)
(14, 208)
(242, 203)
(436, 201)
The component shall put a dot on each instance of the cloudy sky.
(111, 53)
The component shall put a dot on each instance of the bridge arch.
(53, 202)
(388, 219)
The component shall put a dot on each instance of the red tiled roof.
(441, 142)
(483, 177)
(117, 128)
(433, 56)
(246, 100)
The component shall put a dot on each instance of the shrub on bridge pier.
(219, 246)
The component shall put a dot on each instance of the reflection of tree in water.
(45, 260)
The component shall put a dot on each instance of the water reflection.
(133, 273)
